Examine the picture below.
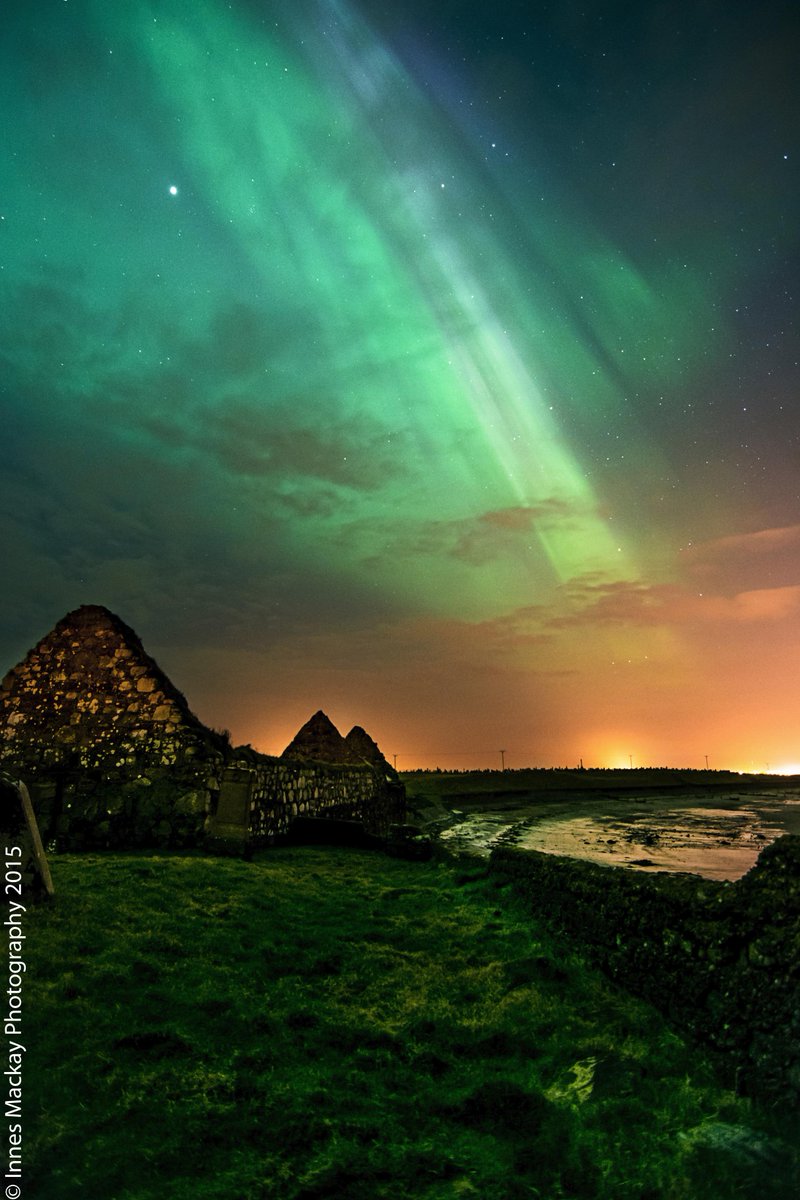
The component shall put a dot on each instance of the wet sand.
(714, 833)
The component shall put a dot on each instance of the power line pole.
(502, 760)
(394, 756)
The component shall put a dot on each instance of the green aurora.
(312, 356)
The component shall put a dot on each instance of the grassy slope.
(336, 1023)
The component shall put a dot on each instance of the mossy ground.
(337, 1023)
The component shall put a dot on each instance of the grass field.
(530, 782)
(337, 1023)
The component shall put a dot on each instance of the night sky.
(432, 364)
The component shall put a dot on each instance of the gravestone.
(229, 830)
(27, 873)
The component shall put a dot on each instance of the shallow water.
(718, 837)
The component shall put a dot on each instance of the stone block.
(192, 803)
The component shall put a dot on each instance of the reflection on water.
(719, 839)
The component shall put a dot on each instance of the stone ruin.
(320, 741)
(114, 757)
(88, 693)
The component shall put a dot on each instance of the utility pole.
(394, 756)
(706, 762)
(502, 760)
(630, 760)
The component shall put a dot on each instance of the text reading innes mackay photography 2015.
(12, 1024)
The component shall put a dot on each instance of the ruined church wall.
(83, 701)
(173, 806)
(143, 806)
(284, 790)
(115, 759)
(120, 766)
(108, 748)
(721, 960)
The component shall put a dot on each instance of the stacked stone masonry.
(722, 960)
(284, 790)
(114, 757)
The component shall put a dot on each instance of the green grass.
(336, 1023)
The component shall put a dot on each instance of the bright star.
(173, 191)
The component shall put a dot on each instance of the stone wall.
(136, 806)
(88, 697)
(110, 751)
(722, 960)
(285, 790)
(114, 758)
(186, 806)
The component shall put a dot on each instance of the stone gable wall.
(114, 758)
(722, 960)
(88, 697)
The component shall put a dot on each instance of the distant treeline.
(580, 771)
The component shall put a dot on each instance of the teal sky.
(436, 369)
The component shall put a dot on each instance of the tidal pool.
(718, 837)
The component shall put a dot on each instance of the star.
(173, 191)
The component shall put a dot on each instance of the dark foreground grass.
(336, 1023)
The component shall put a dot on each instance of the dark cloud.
(628, 603)
(251, 440)
(484, 538)
(223, 392)
(504, 531)
(763, 558)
